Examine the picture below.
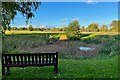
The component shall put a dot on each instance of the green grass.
(89, 68)
(90, 36)
(105, 65)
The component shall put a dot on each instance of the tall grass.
(110, 44)
(20, 44)
(13, 42)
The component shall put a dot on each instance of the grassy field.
(89, 68)
(73, 63)
(30, 32)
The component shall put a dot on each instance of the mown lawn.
(87, 68)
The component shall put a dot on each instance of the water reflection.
(86, 48)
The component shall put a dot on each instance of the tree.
(74, 25)
(103, 28)
(82, 29)
(93, 27)
(14, 28)
(23, 28)
(10, 9)
(41, 29)
(114, 26)
(73, 29)
(30, 28)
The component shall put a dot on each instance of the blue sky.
(55, 14)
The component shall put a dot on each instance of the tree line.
(93, 27)
(31, 28)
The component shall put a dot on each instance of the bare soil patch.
(67, 49)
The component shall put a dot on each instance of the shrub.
(73, 29)
(111, 47)
(63, 37)
(30, 28)
(23, 28)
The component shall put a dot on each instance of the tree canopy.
(104, 28)
(115, 25)
(73, 29)
(30, 28)
(82, 29)
(74, 25)
(10, 9)
(93, 27)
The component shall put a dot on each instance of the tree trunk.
(3, 30)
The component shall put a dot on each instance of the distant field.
(30, 32)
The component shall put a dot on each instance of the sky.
(56, 14)
(79, 0)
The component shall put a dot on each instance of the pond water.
(82, 48)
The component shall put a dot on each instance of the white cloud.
(74, 19)
(90, 1)
(64, 19)
(42, 26)
(22, 26)
(32, 25)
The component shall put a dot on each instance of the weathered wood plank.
(18, 59)
(21, 57)
(14, 61)
(29, 59)
(39, 59)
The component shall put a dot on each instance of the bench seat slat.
(28, 59)
(18, 59)
(10, 59)
(36, 59)
(49, 58)
(14, 59)
(39, 59)
(25, 57)
(21, 57)
(42, 59)
(46, 59)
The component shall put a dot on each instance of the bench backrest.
(32, 58)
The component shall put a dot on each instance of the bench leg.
(3, 71)
(56, 69)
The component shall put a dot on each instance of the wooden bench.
(29, 59)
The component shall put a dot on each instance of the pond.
(82, 48)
